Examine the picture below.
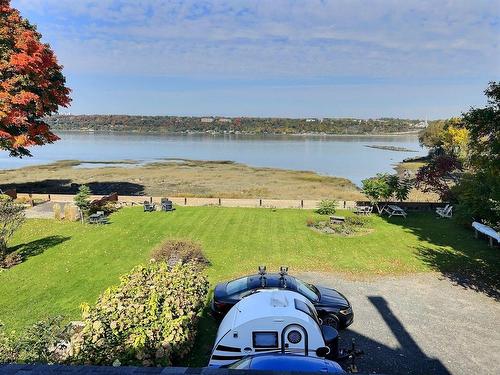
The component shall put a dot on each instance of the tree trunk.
(3, 248)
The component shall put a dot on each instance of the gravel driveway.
(419, 324)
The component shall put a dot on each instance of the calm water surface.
(330, 155)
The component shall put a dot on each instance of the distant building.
(207, 119)
(311, 120)
(225, 120)
(421, 124)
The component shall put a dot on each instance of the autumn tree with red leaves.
(32, 85)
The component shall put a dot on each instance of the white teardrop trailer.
(272, 321)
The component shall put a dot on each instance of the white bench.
(486, 230)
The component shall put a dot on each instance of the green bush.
(180, 251)
(351, 226)
(82, 199)
(149, 319)
(43, 342)
(7, 354)
(10, 260)
(108, 208)
(327, 207)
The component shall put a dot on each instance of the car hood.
(332, 297)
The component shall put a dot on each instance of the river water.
(343, 156)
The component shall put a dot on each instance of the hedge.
(149, 319)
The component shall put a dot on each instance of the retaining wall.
(230, 202)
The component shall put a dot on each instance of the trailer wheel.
(331, 320)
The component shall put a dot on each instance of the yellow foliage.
(456, 140)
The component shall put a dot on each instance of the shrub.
(40, 343)
(327, 207)
(7, 354)
(107, 207)
(4, 197)
(310, 222)
(71, 212)
(57, 211)
(149, 319)
(23, 200)
(180, 251)
(82, 198)
(352, 225)
(11, 218)
(10, 260)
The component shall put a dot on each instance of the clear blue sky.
(410, 58)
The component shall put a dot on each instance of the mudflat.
(223, 179)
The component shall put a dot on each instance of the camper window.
(301, 306)
(265, 339)
(237, 286)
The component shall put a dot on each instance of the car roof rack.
(283, 273)
(262, 273)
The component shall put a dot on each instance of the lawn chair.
(167, 205)
(149, 207)
(445, 212)
(393, 210)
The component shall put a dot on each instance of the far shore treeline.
(238, 125)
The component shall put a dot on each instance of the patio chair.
(445, 212)
(149, 207)
(167, 205)
(363, 210)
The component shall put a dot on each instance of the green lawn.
(71, 263)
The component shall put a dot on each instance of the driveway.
(419, 324)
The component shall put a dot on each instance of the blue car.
(288, 362)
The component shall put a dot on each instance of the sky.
(276, 58)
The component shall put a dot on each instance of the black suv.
(332, 307)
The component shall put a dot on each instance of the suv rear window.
(237, 286)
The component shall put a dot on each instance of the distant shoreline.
(141, 132)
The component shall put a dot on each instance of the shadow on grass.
(464, 260)
(37, 247)
(67, 186)
(205, 338)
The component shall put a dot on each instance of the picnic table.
(393, 210)
(98, 218)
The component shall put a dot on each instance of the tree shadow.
(67, 186)
(37, 247)
(377, 358)
(408, 358)
(453, 251)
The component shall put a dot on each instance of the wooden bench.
(337, 219)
